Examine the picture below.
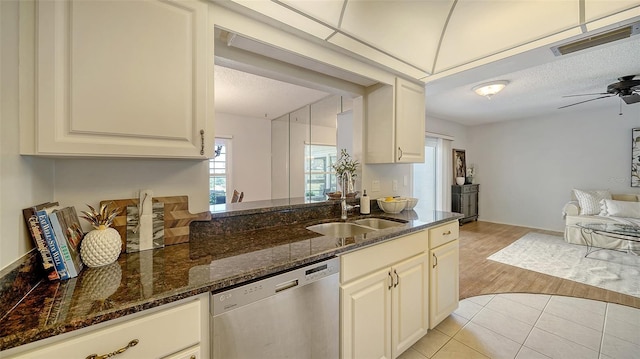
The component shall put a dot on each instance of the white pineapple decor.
(102, 245)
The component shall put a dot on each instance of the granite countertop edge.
(29, 335)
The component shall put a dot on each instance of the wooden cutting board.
(176, 217)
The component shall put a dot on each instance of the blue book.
(49, 236)
(68, 233)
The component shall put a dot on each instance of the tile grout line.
(533, 326)
(604, 325)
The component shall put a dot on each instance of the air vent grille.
(596, 40)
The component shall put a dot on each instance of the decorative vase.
(469, 180)
(100, 247)
(460, 181)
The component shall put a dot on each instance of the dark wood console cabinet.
(464, 199)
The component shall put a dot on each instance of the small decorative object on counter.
(102, 245)
(365, 204)
(391, 204)
(460, 181)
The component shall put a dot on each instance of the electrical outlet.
(394, 185)
(375, 186)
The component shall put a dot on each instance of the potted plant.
(346, 164)
(470, 173)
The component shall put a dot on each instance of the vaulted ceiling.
(454, 45)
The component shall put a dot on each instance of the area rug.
(543, 253)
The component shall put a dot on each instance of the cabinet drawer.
(443, 234)
(470, 189)
(158, 335)
(367, 260)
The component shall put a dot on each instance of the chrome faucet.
(346, 188)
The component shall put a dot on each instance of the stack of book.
(56, 233)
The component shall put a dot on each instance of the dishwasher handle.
(286, 285)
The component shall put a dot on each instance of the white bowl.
(396, 205)
(411, 202)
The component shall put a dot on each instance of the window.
(319, 175)
(425, 176)
(219, 172)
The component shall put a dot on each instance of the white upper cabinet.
(122, 79)
(395, 123)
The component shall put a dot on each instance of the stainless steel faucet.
(346, 188)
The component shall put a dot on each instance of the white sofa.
(573, 214)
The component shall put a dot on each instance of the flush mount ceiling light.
(490, 88)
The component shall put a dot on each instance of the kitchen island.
(218, 256)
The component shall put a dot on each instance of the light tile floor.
(531, 326)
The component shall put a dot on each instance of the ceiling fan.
(626, 88)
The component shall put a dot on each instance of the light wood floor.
(478, 275)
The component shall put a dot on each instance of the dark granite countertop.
(144, 280)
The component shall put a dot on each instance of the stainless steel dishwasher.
(290, 315)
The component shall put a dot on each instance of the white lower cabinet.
(444, 290)
(170, 332)
(384, 306)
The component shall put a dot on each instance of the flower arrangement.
(470, 171)
(345, 164)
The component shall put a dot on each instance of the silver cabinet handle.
(391, 281)
(131, 344)
(446, 233)
(400, 150)
(201, 142)
(435, 260)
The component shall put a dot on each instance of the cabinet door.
(143, 88)
(365, 316)
(444, 289)
(473, 204)
(410, 310)
(410, 121)
(465, 205)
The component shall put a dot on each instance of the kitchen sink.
(340, 229)
(378, 223)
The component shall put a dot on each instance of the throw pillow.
(590, 200)
(625, 209)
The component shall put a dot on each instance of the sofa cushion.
(613, 208)
(590, 200)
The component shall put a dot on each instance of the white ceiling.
(244, 94)
(536, 90)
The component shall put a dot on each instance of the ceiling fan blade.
(588, 94)
(631, 99)
(593, 99)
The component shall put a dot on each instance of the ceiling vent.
(599, 39)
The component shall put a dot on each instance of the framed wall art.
(459, 165)
(635, 157)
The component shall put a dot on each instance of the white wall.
(457, 131)
(251, 154)
(527, 168)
